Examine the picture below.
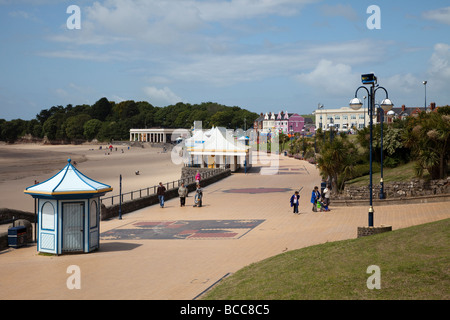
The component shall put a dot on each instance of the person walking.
(161, 192)
(315, 196)
(198, 177)
(294, 201)
(182, 193)
(326, 198)
(198, 196)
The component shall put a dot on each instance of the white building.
(343, 119)
(269, 122)
(153, 135)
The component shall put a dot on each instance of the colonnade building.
(153, 135)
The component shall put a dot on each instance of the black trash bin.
(17, 236)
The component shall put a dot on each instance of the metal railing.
(145, 192)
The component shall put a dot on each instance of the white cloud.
(155, 22)
(341, 10)
(244, 9)
(162, 96)
(440, 62)
(283, 61)
(332, 78)
(441, 15)
(169, 22)
(104, 56)
(404, 89)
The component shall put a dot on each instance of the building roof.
(68, 181)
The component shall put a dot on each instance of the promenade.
(177, 253)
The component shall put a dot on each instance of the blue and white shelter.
(68, 206)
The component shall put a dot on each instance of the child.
(294, 201)
(322, 205)
(198, 196)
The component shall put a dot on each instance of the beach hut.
(68, 209)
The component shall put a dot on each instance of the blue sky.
(285, 55)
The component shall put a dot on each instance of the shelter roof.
(68, 181)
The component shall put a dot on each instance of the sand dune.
(22, 164)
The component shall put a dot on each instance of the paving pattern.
(182, 229)
(178, 252)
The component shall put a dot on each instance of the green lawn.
(414, 264)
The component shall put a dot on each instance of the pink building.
(296, 123)
(282, 122)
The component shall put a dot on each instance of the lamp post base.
(368, 231)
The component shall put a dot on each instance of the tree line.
(106, 120)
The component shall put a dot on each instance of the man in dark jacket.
(160, 192)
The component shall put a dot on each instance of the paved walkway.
(155, 266)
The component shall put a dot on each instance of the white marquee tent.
(219, 149)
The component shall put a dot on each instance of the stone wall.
(413, 188)
(8, 214)
(368, 231)
(187, 172)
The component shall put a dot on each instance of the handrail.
(188, 180)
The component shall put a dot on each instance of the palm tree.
(336, 161)
(428, 136)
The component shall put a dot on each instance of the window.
(93, 214)
(353, 116)
(361, 116)
(337, 117)
(48, 216)
(361, 126)
(345, 117)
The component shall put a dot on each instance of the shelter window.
(48, 216)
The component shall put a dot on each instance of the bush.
(363, 169)
(390, 162)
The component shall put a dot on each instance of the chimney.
(432, 106)
(403, 108)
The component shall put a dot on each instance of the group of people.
(182, 193)
(319, 201)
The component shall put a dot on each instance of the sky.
(264, 56)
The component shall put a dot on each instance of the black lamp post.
(425, 85)
(356, 104)
(320, 106)
(331, 126)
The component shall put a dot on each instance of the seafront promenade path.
(177, 253)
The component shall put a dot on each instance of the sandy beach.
(22, 164)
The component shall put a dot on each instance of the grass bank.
(401, 173)
(414, 264)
